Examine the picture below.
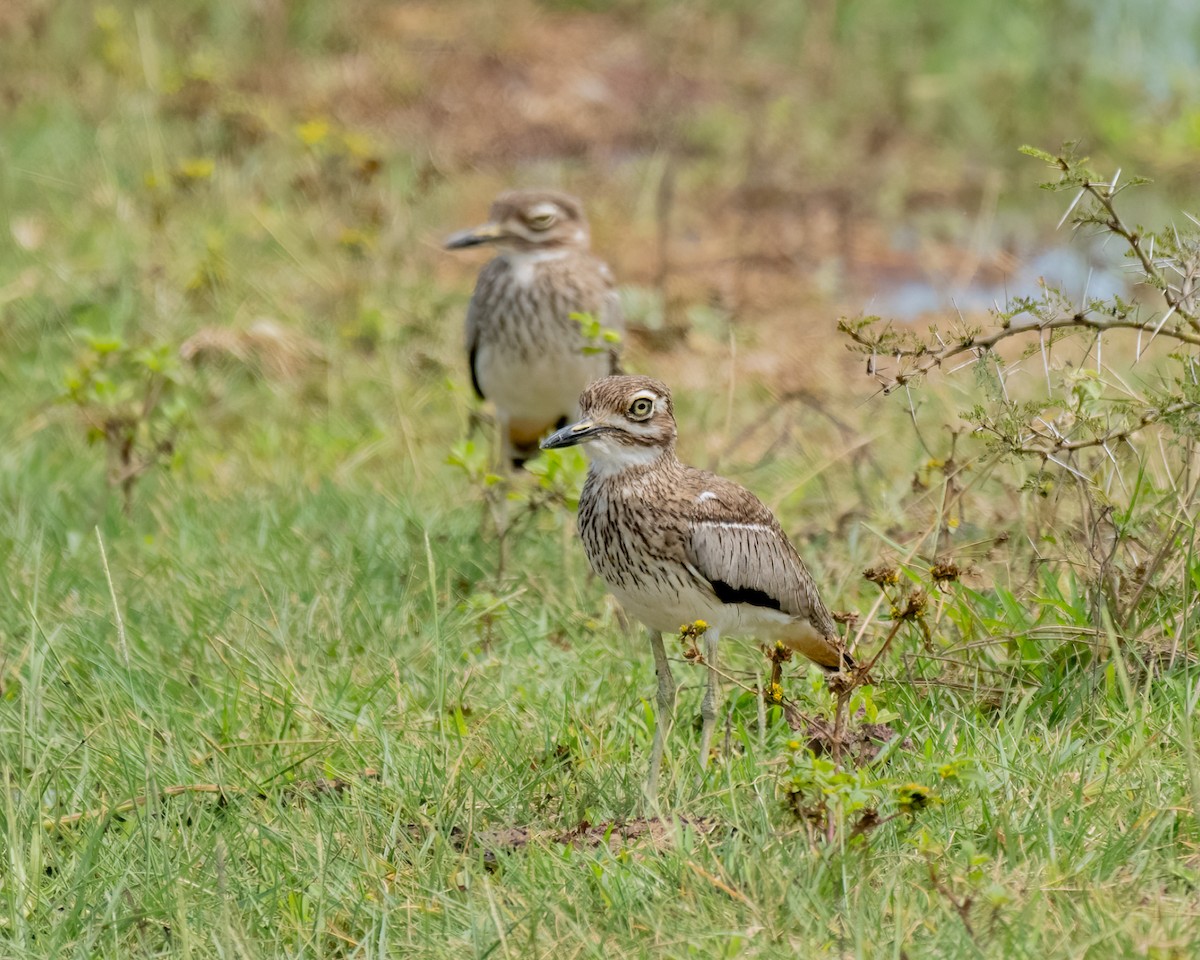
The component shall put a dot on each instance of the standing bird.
(527, 353)
(676, 544)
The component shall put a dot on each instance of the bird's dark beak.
(574, 433)
(484, 233)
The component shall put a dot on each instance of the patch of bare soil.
(23, 17)
(862, 742)
(493, 85)
(489, 94)
(654, 833)
(265, 345)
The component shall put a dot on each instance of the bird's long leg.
(505, 454)
(664, 714)
(708, 706)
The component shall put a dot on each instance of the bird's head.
(627, 421)
(525, 221)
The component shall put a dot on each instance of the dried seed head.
(841, 683)
(689, 633)
(945, 571)
(883, 575)
(913, 607)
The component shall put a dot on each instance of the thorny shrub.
(1090, 419)
(1097, 454)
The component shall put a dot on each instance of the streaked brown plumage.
(676, 544)
(526, 352)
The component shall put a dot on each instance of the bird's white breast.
(524, 265)
(531, 385)
(665, 606)
(529, 358)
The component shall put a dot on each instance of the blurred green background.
(234, 406)
(790, 137)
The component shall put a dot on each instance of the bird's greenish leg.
(708, 706)
(664, 714)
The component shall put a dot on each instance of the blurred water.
(1157, 41)
(1076, 271)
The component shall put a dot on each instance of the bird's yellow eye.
(641, 408)
(542, 221)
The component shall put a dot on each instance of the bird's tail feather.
(525, 435)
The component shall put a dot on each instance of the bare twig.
(316, 787)
(927, 357)
(1060, 445)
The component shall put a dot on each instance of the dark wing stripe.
(738, 547)
(730, 594)
(474, 375)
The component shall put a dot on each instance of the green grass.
(303, 590)
(321, 633)
(277, 638)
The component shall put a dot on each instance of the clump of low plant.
(510, 500)
(132, 401)
(839, 782)
(600, 339)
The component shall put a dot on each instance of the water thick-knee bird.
(528, 351)
(676, 544)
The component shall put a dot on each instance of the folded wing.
(738, 547)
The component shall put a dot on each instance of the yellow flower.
(914, 796)
(313, 131)
(197, 168)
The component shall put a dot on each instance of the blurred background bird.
(544, 320)
(676, 544)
